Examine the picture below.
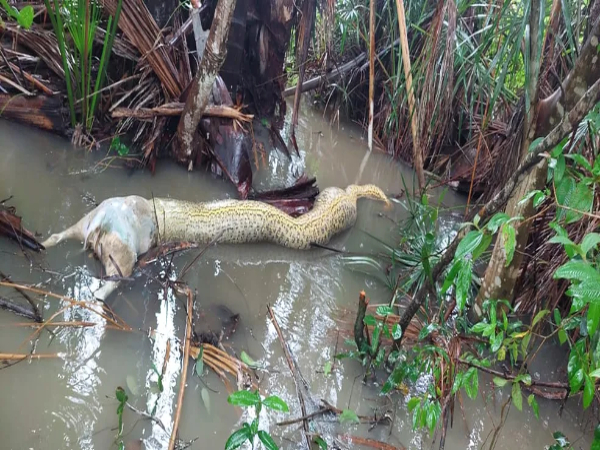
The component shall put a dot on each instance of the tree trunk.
(199, 93)
(499, 280)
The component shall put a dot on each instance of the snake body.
(121, 228)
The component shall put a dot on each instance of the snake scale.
(121, 228)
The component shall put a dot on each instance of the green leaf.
(384, 310)
(247, 360)
(471, 383)
(327, 368)
(267, 440)
(320, 442)
(25, 17)
(199, 366)
(244, 398)
(275, 403)
(348, 415)
(577, 270)
(496, 341)
(538, 199)
(469, 243)
(426, 331)
(479, 327)
(500, 382)
(535, 143)
(589, 242)
(449, 281)
(458, 381)
(595, 373)
(375, 338)
(396, 331)
(559, 170)
(413, 402)
(564, 191)
(237, 438)
(596, 442)
(534, 405)
(370, 321)
(593, 318)
(205, 398)
(517, 397)
(483, 246)
(539, 316)
(121, 395)
(501, 218)
(463, 283)
(582, 199)
(588, 391)
(510, 242)
(580, 159)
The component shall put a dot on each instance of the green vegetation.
(249, 431)
(75, 24)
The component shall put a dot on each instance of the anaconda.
(122, 228)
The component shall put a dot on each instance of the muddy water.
(67, 402)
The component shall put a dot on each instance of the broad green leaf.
(534, 405)
(539, 316)
(525, 379)
(396, 331)
(570, 246)
(538, 199)
(247, 360)
(593, 318)
(426, 331)
(348, 415)
(413, 402)
(469, 243)
(500, 382)
(588, 291)
(463, 283)
(517, 396)
(483, 246)
(496, 341)
(472, 383)
(25, 17)
(327, 368)
(244, 398)
(596, 442)
(564, 191)
(500, 219)
(274, 402)
(458, 381)
(205, 398)
(581, 200)
(559, 170)
(375, 338)
(237, 438)
(577, 270)
(595, 373)
(580, 159)
(384, 310)
(267, 440)
(589, 242)
(510, 242)
(479, 327)
(535, 143)
(449, 281)
(320, 442)
(370, 321)
(588, 391)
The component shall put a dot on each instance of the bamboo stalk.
(414, 126)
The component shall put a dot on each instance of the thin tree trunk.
(499, 279)
(304, 30)
(371, 71)
(414, 125)
(199, 94)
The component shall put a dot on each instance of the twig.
(34, 307)
(17, 309)
(288, 357)
(303, 418)
(146, 415)
(186, 358)
(20, 356)
(15, 85)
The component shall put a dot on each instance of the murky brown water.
(68, 402)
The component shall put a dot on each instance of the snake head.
(370, 191)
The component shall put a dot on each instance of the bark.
(42, 112)
(499, 280)
(199, 93)
(304, 31)
(566, 126)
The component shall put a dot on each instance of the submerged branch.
(176, 109)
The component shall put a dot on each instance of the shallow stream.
(68, 401)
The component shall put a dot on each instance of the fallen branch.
(37, 314)
(295, 374)
(569, 122)
(21, 356)
(186, 358)
(17, 309)
(175, 109)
